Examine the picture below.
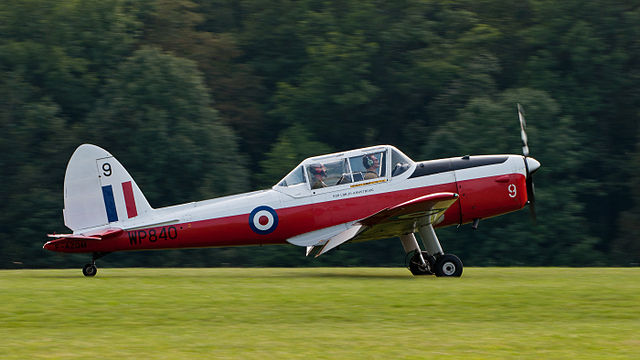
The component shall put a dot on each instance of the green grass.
(320, 313)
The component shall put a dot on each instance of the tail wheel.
(448, 265)
(89, 270)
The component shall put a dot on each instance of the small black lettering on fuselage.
(71, 244)
(166, 233)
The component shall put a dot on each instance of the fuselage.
(487, 186)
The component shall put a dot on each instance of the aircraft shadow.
(242, 273)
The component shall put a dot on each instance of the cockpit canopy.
(348, 167)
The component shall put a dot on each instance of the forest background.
(200, 99)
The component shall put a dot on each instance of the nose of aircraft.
(533, 164)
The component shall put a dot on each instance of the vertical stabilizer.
(98, 191)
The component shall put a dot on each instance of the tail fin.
(99, 191)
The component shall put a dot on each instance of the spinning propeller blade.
(530, 164)
(523, 134)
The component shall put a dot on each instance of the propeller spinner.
(530, 164)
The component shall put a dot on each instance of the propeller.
(530, 164)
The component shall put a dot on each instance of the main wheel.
(89, 270)
(416, 267)
(448, 265)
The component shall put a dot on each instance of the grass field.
(320, 313)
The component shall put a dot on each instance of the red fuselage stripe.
(479, 198)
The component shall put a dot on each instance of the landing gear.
(417, 267)
(443, 265)
(433, 260)
(90, 270)
(448, 265)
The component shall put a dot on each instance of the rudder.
(99, 191)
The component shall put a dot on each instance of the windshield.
(399, 162)
(295, 177)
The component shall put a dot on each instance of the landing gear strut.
(432, 260)
(91, 269)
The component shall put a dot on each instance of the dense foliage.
(206, 98)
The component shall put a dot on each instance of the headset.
(368, 160)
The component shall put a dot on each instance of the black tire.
(448, 265)
(89, 270)
(416, 267)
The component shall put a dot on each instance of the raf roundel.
(263, 220)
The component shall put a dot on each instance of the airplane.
(357, 195)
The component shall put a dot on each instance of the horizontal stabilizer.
(77, 242)
(97, 236)
(73, 237)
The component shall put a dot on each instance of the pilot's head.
(318, 170)
(370, 162)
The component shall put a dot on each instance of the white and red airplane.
(357, 195)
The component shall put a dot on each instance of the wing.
(393, 221)
(407, 217)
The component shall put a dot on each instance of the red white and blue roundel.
(263, 220)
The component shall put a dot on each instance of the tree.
(586, 56)
(177, 27)
(34, 147)
(560, 236)
(434, 78)
(68, 52)
(155, 113)
(293, 145)
(626, 246)
(335, 86)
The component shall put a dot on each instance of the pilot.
(319, 173)
(372, 164)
